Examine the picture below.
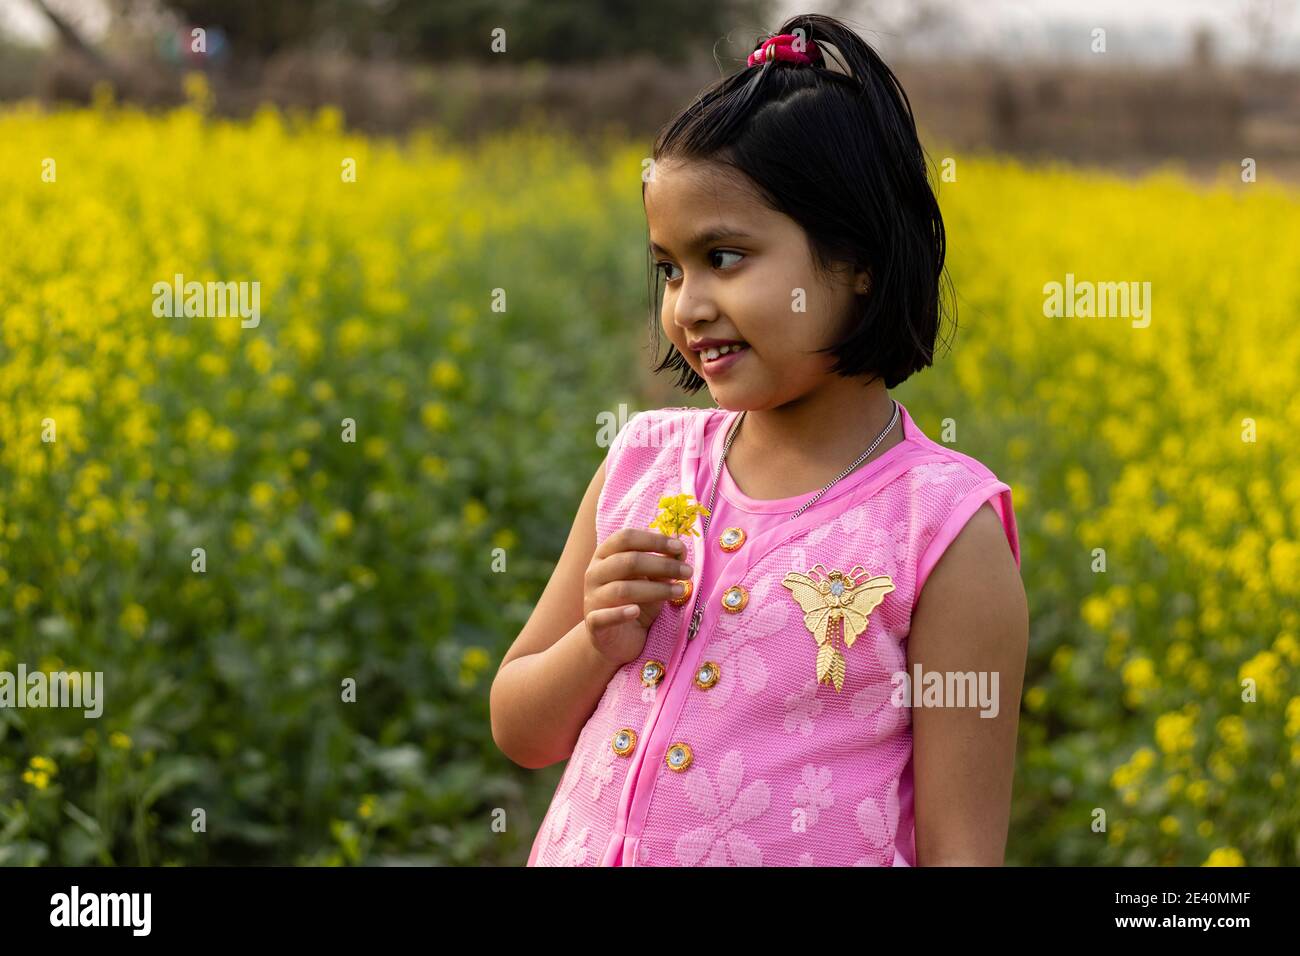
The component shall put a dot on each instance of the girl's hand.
(630, 576)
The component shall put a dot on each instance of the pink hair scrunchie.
(781, 47)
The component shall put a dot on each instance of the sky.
(1140, 30)
(1150, 31)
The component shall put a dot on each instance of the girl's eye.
(665, 267)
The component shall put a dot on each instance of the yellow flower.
(134, 619)
(435, 417)
(241, 535)
(1140, 680)
(40, 770)
(677, 515)
(1288, 647)
(25, 596)
(341, 523)
(473, 661)
(119, 740)
(367, 806)
(1096, 610)
(1293, 717)
(1175, 732)
(45, 764)
(444, 375)
(473, 513)
(1264, 668)
(262, 494)
(223, 440)
(375, 447)
(1232, 731)
(1035, 698)
(1225, 856)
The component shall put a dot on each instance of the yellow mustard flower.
(1225, 856)
(677, 514)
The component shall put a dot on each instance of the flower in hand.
(677, 515)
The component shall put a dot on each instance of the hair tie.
(781, 47)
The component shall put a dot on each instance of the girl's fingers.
(617, 593)
(630, 565)
(609, 616)
(638, 539)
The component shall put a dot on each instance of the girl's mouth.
(713, 361)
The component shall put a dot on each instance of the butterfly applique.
(835, 596)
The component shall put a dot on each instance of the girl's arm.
(971, 616)
(552, 677)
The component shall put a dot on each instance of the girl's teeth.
(711, 354)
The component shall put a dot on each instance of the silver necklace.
(696, 611)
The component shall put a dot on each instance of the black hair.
(857, 184)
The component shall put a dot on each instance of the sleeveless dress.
(726, 750)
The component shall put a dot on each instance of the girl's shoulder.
(660, 428)
(937, 460)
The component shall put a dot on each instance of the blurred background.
(382, 168)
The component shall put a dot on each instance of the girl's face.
(737, 270)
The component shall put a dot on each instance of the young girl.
(823, 667)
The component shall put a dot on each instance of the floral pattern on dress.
(878, 823)
(874, 704)
(721, 841)
(733, 649)
(801, 708)
(600, 768)
(814, 793)
(574, 851)
(894, 542)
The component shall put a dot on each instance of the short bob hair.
(858, 186)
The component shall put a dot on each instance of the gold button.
(731, 538)
(678, 757)
(707, 675)
(686, 595)
(652, 672)
(624, 741)
(734, 599)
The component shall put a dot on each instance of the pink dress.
(726, 749)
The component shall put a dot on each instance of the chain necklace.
(696, 611)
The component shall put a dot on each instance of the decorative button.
(686, 595)
(624, 741)
(652, 673)
(678, 757)
(707, 675)
(731, 539)
(734, 599)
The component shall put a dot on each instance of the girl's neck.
(798, 447)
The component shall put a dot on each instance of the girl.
(823, 666)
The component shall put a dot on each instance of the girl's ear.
(862, 281)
